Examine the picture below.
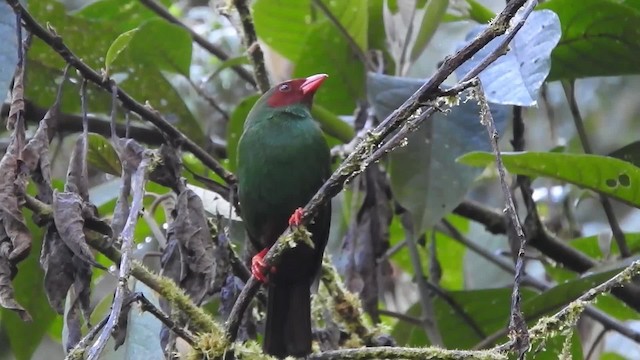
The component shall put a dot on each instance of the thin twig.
(426, 297)
(56, 43)
(138, 181)
(618, 234)
(149, 307)
(517, 325)
(253, 48)
(211, 101)
(211, 48)
(402, 317)
(84, 342)
(370, 149)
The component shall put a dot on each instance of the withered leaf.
(17, 98)
(188, 258)
(367, 240)
(77, 175)
(67, 216)
(11, 186)
(59, 272)
(35, 158)
(168, 172)
(7, 272)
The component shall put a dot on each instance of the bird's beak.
(312, 83)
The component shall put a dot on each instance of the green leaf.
(610, 176)
(326, 51)
(29, 291)
(162, 45)
(118, 45)
(235, 128)
(102, 155)
(424, 179)
(562, 294)
(599, 38)
(332, 124)
(353, 17)
(489, 309)
(235, 61)
(433, 16)
(479, 12)
(283, 24)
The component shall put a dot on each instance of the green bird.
(283, 159)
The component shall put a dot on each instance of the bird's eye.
(284, 88)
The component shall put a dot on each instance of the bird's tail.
(288, 327)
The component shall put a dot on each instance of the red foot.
(259, 268)
(296, 217)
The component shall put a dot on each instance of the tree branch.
(253, 48)
(211, 48)
(56, 43)
(618, 234)
(388, 352)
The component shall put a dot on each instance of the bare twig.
(211, 48)
(137, 184)
(618, 234)
(81, 346)
(56, 43)
(402, 317)
(253, 48)
(149, 307)
(426, 297)
(517, 325)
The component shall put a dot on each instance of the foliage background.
(158, 62)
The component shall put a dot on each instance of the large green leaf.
(285, 24)
(599, 38)
(425, 178)
(162, 45)
(613, 177)
(326, 51)
(562, 294)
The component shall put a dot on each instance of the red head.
(295, 91)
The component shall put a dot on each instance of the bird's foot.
(259, 268)
(296, 218)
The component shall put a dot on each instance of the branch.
(55, 42)
(517, 325)
(387, 352)
(253, 48)
(138, 181)
(148, 306)
(569, 91)
(211, 48)
(371, 148)
(73, 123)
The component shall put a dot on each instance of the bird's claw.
(296, 218)
(258, 266)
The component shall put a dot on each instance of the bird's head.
(295, 91)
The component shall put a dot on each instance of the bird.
(283, 159)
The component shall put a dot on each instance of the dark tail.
(288, 327)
